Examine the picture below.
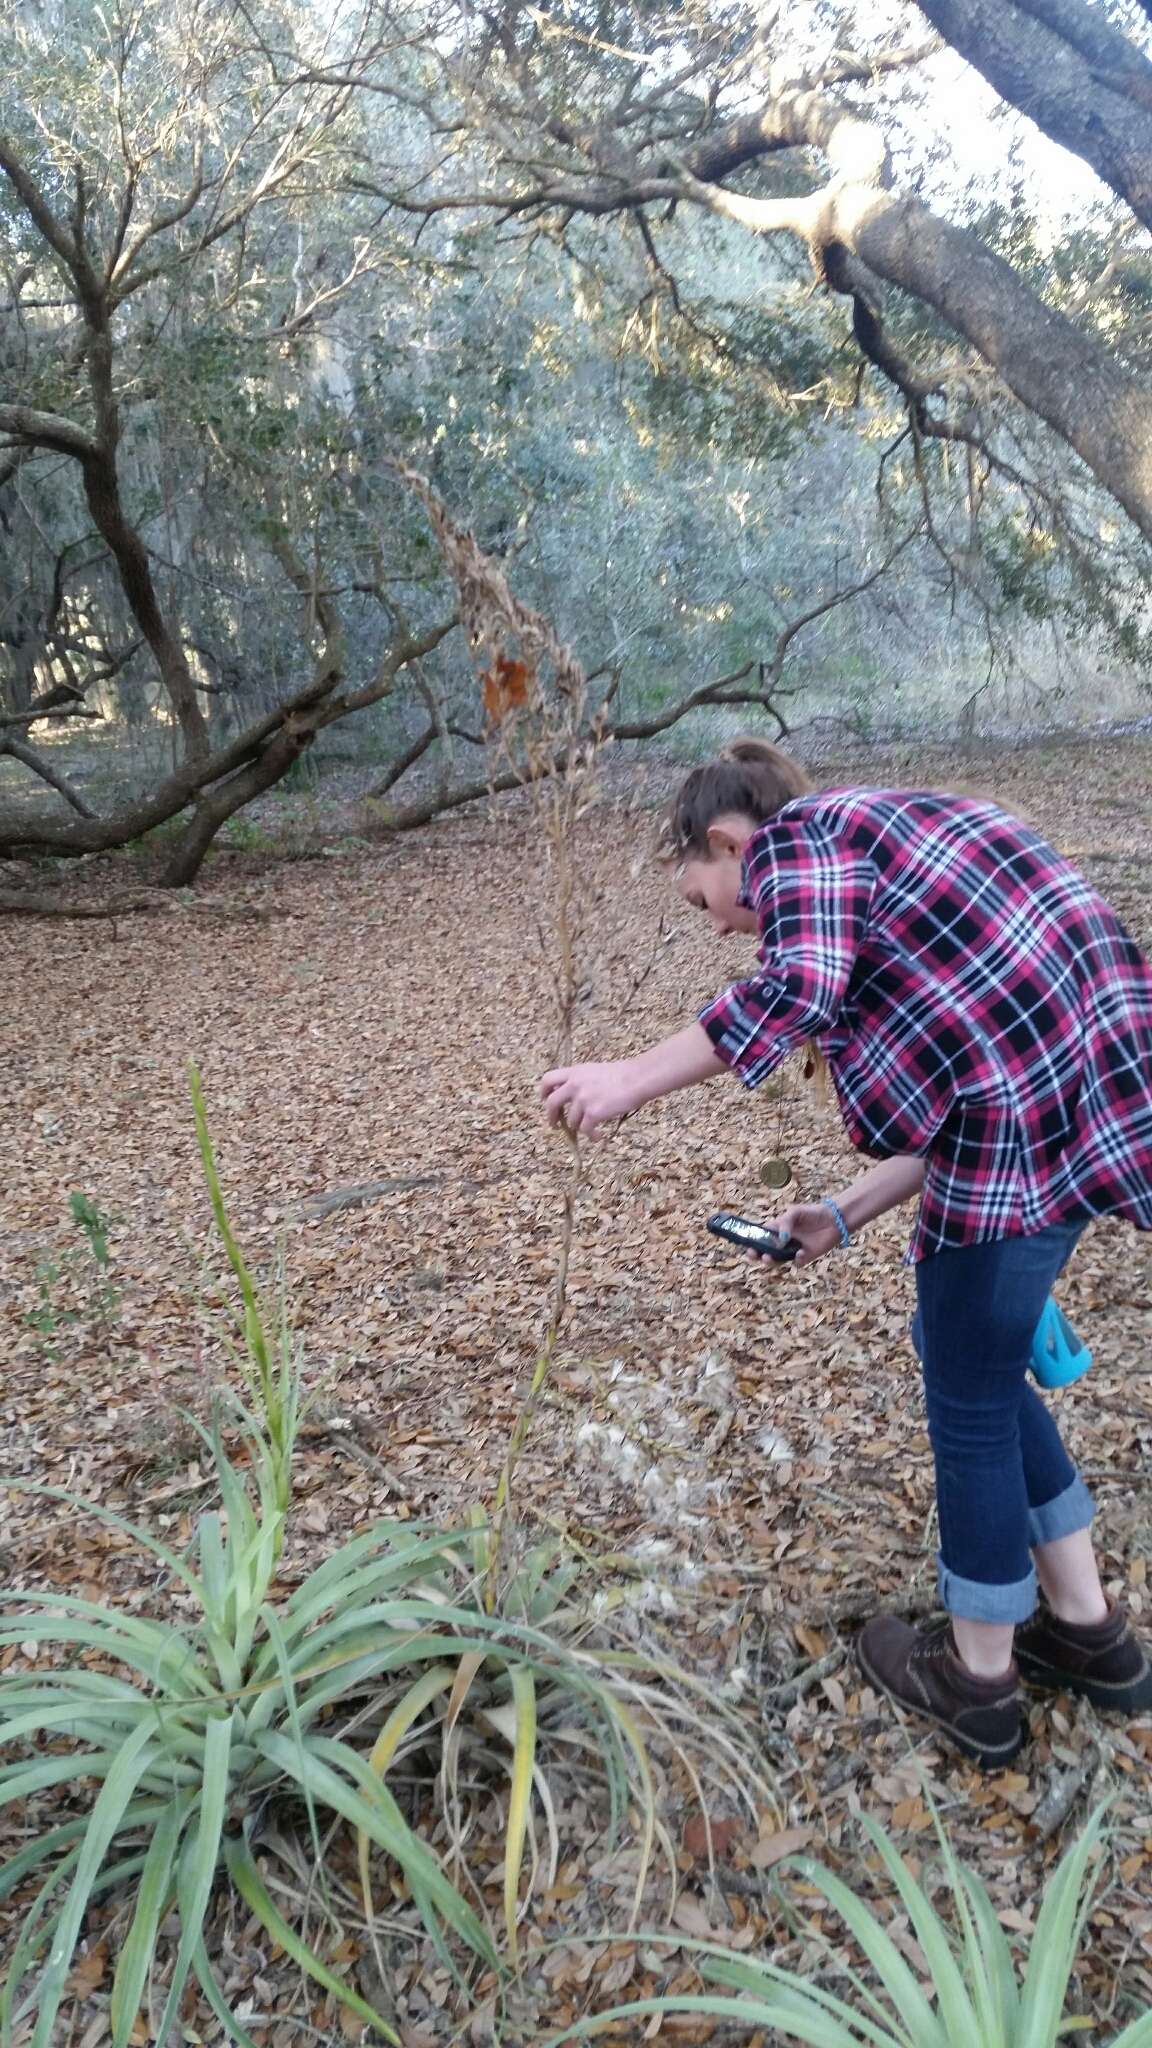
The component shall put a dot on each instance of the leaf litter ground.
(752, 1444)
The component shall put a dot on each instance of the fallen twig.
(343, 1436)
(778, 1697)
(1063, 1792)
(913, 1604)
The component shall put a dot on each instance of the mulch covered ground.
(754, 1443)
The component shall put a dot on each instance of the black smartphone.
(753, 1237)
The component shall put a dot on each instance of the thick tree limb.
(1067, 375)
(61, 701)
(46, 903)
(424, 809)
(36, 205)
(214, 809)
(30, 757)
(102, 490)
(1058, 370)
(47, 430)
(411, 647)
(1088, 29)
(1069, 69)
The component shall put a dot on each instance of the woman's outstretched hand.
(602, 1091)
(812, 1223)
(586, 1097)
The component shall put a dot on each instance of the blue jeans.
(1004, 1482)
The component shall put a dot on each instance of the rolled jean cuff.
(970, 1600)
(1063, 1516)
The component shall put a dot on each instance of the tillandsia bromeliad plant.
(164, 1740)
(973, 1996)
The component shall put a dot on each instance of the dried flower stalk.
(534, 693)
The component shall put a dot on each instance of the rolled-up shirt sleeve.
(812, 895)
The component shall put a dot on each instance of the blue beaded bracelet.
(838, 1220)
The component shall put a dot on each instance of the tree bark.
(1059, 371)
(38, 903)
(1069, 69)
(222, 803)
(1063, 373)
(97, 452)
(102, 491)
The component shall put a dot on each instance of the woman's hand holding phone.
(812, 1224)
(797, 1237)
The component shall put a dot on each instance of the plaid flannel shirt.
(977, 1002)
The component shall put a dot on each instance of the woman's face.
(712, 882)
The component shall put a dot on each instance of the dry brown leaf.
(90, 1971)
(810, 1639)
(690, 1917)
(620, 1971)
(1016, 1921)
(723, 1833)
(773, 1848)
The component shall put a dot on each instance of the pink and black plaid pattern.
(978, 1004)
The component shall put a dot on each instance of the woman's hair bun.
(748, 778)
(756, 753)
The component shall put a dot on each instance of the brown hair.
(748, 778)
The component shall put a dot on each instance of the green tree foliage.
(249, 258)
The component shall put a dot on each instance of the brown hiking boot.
(1105, 1661)
(919, 1668)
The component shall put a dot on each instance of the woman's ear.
(724, 843)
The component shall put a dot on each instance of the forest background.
(788, 354)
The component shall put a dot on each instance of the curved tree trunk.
(221, 803)
(102, 491)
(1059, 371)
(1062, 372)
(1066, 63)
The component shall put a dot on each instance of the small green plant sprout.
(94, 1227)
(84, 1271)
(171, 1763)
(47, 1318)
(973, 1997)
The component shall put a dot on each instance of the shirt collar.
(744, 896)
